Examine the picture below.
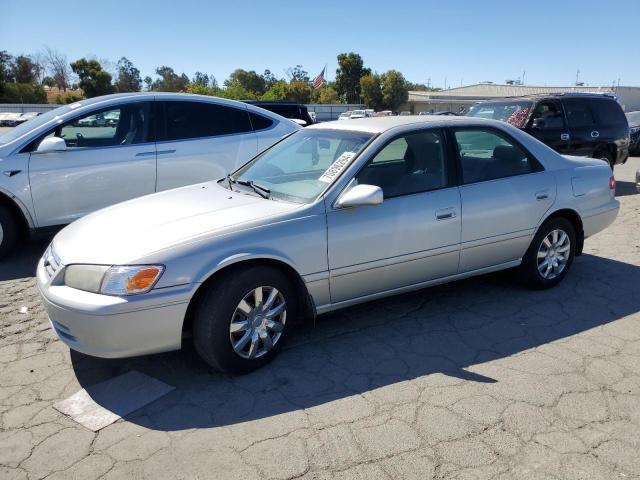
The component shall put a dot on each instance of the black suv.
(583, 124)
(291, 110)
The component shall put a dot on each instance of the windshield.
(300, 167)
(633, 118)
(36, 122)
(513, 112)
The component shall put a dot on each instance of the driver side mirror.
(539, 123)
(51, 144)
(359, 196)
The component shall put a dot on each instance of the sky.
(445, 43)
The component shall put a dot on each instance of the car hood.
(130, 231)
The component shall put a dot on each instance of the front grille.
(51, 262)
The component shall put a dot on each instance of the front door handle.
(145, 154)
(164, 152)
(595, 134)
(564, 136)
(542, 195)
(445, 214)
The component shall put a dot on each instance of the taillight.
(612, 182)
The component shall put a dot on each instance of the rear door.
(612, 125)
(110, 158)
(548, 125)
(504, 193)
(201, 141)
(582, 127)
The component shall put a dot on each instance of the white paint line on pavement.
(103, 403)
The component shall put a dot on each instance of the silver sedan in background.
(336, 214)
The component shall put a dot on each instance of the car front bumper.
(114, 327)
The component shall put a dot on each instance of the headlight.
(116, 280)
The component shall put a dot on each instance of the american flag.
(319, 81)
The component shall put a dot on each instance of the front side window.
(513, 112)
(122, 125)
(549, 116)
(409, 164)
(184, 120)
(486, 155)
(578, 113)
(303, 165)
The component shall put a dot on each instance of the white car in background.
(82, 157)
(359, 114)
(345, 115)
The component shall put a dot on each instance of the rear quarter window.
(608, 112)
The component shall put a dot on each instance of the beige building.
(462, 98)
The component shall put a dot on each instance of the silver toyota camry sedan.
(333, 215)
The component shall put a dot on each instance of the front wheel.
(241, 319)
(550, 254)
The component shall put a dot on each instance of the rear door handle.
(564, 136)
(595, 134)
(542, 195)
(145, 154)
(445, 213)
(164, 152)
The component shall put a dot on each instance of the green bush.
(22, 93)
(68, 97)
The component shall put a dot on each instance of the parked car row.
(633, 118)
(88, 155)
(332, 215)
(585, 124)
(13, 119)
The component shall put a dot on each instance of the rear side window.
(185, 120)
(259, 122)
(578, 113)
(608, 112)
(486, 155)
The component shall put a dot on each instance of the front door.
(201, 141)
(110, 158)
(413, 236)
(505, 192)
(548, 125)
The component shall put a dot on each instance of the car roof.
(382, 124)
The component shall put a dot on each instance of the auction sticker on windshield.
(336, 167)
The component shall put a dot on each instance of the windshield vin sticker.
(336, 167)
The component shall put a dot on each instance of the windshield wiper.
(264, 192)
(230, 181)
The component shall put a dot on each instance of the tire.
(219, 307)
(8, 231)
(530, 271)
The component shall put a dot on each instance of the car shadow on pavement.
(23, 262)
(450, 329)
(624, 189)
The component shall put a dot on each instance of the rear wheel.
(550, 254)
(241, 320)
(606, 156)
(8, 231)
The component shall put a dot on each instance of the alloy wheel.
(258, 322)
(553, 254)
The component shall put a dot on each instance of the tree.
(371, 90)
(48, 82)
(277, 91)
(58, 67)
(200, 79)
(249, 81)
(6, 64)
(24, 70)
(148, 82)
(22, 93)
(298, 91)
(328, 94)
(394, 90)
(128, 79)
(350, 70)
(298, 74)
(94, 81)
(169, 81)
(269, 79)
